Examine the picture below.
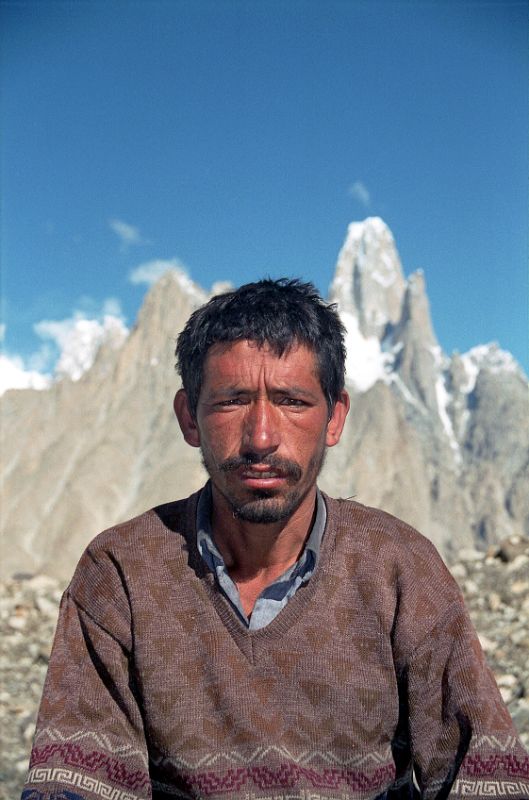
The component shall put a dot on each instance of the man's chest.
(322, 692)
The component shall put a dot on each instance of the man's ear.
(337, 420)
(185, 419)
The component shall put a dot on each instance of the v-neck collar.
(254, 643)
(277, 594)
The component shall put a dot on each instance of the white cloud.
(68, 349)
(14, 375)
(112, 307)
(360, 192)
(151, 271)
(78, 339)
(128, 234)
(43, 359)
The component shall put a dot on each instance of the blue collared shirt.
(275, 596)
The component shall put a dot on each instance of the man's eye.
(232, 401)
(293, 402)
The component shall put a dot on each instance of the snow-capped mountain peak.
(486, 356)
(81, 341)
(368, 281)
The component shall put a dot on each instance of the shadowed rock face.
(441, 442)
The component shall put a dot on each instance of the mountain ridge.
(438, 440)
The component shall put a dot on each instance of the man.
(259, 639)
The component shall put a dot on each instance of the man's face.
(262, 424)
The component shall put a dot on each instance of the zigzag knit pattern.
(371, 674)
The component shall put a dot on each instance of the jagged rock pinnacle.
(368, 281)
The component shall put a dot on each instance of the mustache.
(290, 469)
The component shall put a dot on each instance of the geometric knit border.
(60, 775)
(261, 754)
(90, 762)
(464, 787)
(230, 757)
(100, 739)
(495, 743)
(287, 776)
(479, 765)
(292, 794)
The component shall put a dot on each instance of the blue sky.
(239, 139)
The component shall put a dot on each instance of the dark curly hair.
(278, 313)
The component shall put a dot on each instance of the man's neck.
(259, 553)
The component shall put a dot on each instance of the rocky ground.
(496, 587)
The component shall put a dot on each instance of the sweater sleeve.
(463, 740)
(89, 741)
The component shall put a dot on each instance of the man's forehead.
(245, 352)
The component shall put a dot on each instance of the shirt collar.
(210, 552)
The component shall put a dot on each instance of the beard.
(266, 506)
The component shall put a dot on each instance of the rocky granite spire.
(418, 354)
(86, 454)
(368, 281)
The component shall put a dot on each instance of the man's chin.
(266, 509)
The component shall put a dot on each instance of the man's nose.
(261, 431)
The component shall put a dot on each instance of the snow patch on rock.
(395, 379)
(365, 363)
(187, 285)
(80, 339)
(73, 343)
(444, 398)
(486, 356)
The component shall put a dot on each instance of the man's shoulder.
(378, 532)
(394, 565)
(136, 555)
(162, 520)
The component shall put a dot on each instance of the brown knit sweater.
(371, 670)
